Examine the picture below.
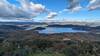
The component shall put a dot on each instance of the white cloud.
(75, 9)
(26, 5)
(27, 10)
(51, 15)
(94, 4)
(74, 5)
(64, 10)
(37, 7)
(92, 1)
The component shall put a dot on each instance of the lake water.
(51, 30)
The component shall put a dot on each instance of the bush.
(71, 51)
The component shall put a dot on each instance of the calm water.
(51, 30)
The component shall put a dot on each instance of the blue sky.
(58, 6)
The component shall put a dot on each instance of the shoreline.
(22, 35)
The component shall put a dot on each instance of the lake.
(52, 30)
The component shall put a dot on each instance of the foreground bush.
(45, 47)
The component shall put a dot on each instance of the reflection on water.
(51, 30)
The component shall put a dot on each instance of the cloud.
(37, 7)
(74, 5)
(92, 1)
(27, 10)
(94, 4)
(76, 9)
(26, 5)
(51, 15)
(64, 10)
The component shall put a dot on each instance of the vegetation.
(31, 43)
(47, 47)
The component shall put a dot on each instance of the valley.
(14, 39)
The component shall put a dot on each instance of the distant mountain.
(92, 24)
(5, 29)
(20, 23)
(10, 27)
(77, 27)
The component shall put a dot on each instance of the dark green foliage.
(45, 47)
(71, 51)
(42, 44)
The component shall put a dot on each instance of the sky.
(44, 10)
